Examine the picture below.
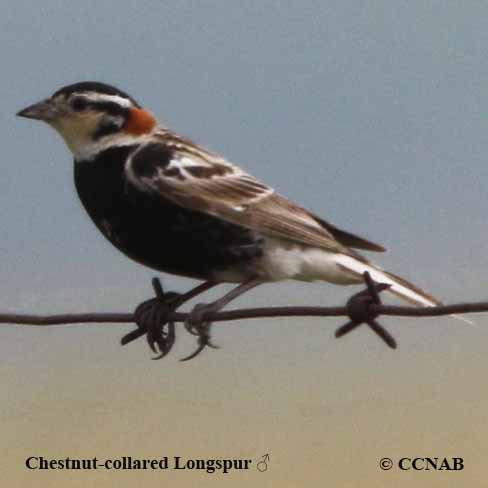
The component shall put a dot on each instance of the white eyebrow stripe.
(102, 97)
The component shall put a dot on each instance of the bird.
(174, 206)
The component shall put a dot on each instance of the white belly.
(284, 260)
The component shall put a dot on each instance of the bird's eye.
(79, 103)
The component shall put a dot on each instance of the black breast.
(152, 230)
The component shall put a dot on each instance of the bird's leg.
(196, 323)
(152, 317)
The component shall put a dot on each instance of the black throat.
(101, 184)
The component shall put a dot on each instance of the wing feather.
(196, 179)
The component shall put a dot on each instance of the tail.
(399, 286)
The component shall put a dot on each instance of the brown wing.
(192, 177)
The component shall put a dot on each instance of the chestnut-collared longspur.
(176, 207)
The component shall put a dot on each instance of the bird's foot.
(198, 326)
(152, 319)
(359, 311)
(152, 316)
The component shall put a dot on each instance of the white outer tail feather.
(399, 286)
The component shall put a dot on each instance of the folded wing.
(196, 179)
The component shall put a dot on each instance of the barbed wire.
(156, 317)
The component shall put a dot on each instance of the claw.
(198, 326)
(168, 341)
(211, 345)
(194, 354)
(154, 333)
(155, 330)
(191, 328)
(195, 322)
(203, 341)
(151, 318)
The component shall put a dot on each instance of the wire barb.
(360, 311)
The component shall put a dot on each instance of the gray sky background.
(373, 115)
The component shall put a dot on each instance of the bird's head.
(91, 115)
